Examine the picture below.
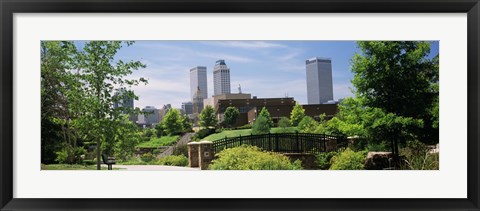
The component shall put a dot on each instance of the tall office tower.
(197, 102)
(319, 80)
(221, 78)
(198, 79)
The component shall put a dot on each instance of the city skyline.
(267, 69)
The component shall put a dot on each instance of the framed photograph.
(264, 105)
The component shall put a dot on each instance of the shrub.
(378, 147)
(324, 159)
(247, 126)
(89, 162)
(203, 133)
(149, 132)
(418, 157)
(260, 126)
(148, 157)
(348, 160)
(173, 160)
(284, 122)
(248, 157)
(181, 150)
(63, 156)
(133, 161)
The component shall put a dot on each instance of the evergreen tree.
(297, 114)
(264, 112)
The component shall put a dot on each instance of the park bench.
(109, 161)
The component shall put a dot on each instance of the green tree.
(297, 114)
(172, 123)
(399, 78)
(208, 117)
(264, 112)
(284, 123)
(100, 75)
(307, 125)
(356, 119)
(186, 123)
(260, 126)
(230, 116)
(57, 134)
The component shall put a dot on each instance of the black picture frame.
(9, 7)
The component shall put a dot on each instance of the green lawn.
(244, 132)
(158, 142)
(71, 167)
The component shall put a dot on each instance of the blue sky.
(262, 68)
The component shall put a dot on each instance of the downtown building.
(249, 108)
(198, 81)
(151, 116)
(319, 80)
(125, 103)
(221, 78)
(187, 108)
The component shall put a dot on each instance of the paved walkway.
(153, 168)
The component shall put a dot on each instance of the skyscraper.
(198, 79)
(197, 102)
(126, 103)
(221, 78)
(319, 80)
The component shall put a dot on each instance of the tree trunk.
(98, 154)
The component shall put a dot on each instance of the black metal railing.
(285, 142)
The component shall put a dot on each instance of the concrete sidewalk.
(153, 168)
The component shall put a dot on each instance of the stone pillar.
(205, 154)
(193, 154)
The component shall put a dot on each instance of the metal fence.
(284, 142)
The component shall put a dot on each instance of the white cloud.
(177, 53)
(227, 57)
(246, 44)
(342, 91)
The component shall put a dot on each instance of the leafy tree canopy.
(297, 114)
(231, 115)
(208, 117)
(172, 123)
